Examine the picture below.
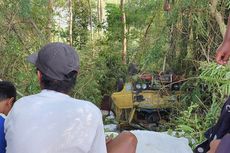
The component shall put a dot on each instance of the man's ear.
(10, 102)
(39, 74)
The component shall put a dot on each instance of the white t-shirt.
(52, 122)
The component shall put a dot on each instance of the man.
(223, 144)
(52, 121)
(7, 99)
(222, 57)
(217, 132)
(216, 135)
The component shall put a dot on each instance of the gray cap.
(56, 60)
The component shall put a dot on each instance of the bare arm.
(223, 51)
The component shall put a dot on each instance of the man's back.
(52, 122)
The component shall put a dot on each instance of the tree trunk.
(98, 16)
(99, 10)
(217, 15)
(49, 21)
(90, 21)
(124, 33)
(70, 23)
(171, 57)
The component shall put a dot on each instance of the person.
(220, 146)
(125, 142)
(7, 99)
(216, 135)
(52, 121)
(223, 145)
(222, 57)
(223, 51)
(218, 131)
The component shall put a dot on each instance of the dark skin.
(214, 145)
(125, 142)
(223, 51)
(6, 105)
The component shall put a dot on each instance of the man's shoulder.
(69, 102)
(29, 97)
(86, 104)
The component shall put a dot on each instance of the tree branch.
(217, 15)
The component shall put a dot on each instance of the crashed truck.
(146, 102)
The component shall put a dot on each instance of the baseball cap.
(56, 60)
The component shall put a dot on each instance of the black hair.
(63, 86)
(7, 90)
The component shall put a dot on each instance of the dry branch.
(217, 15)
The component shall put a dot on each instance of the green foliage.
(218, 76)
(138, 13)
(88, 87)
(114, 27)
(195, 120)
(203, 103)
(147, 28)
(113, 70)
(152, 58)
(184, 36)
(21, 33)
(195, 34)
(98, 76)
(25, 8)
(81, 21)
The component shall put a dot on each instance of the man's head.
(7, 96)
(57, 65)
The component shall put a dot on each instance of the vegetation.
(109, 35)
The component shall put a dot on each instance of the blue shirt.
(2, 136)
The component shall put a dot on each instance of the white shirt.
(3, 115)
(52, 122)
